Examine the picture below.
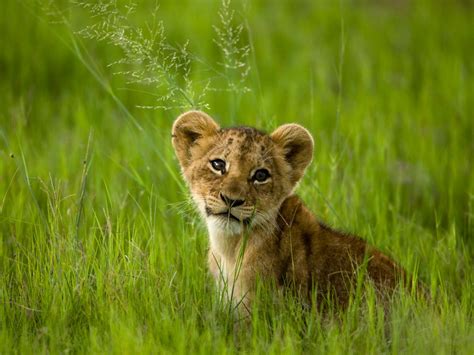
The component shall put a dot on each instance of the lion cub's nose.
(230, 202)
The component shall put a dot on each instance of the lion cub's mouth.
(228, 215)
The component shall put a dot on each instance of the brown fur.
(283, 241)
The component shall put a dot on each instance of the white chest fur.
(224, 239)
(224, 236)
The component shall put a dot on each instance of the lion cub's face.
(239, 176)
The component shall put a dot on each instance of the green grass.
(100, 253)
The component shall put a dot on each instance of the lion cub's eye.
(261, 175)
(218, 165)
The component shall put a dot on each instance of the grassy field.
(100, 250)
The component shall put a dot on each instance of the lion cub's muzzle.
(232, 209)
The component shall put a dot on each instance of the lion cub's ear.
(297, 145)
(187, 129)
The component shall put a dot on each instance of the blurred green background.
(92, 220)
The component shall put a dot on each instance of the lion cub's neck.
(226, 249)
(223, 243)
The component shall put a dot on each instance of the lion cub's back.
(315, 255)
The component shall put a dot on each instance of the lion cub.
(242, 181)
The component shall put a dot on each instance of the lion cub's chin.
(223, 226)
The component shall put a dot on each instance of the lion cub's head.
(239, 176)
